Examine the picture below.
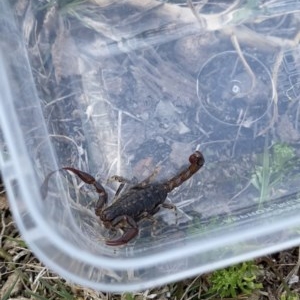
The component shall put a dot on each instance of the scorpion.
(141, 201)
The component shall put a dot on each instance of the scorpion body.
(140, 201)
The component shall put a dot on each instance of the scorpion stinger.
(197, 161)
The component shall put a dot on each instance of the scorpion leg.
(149, 216)
(147, 180)
(122, 180)
(129, 232)
(171, 206)
(89, 179)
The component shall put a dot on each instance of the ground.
(24, 277)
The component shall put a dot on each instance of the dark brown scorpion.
(140, 201)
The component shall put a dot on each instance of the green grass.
(274, 165)
(235, 280)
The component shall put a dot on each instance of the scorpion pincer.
(140, 201)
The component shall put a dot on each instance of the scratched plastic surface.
(130, 87)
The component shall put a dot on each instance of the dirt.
(24, 277)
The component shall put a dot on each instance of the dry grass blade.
(293, 272)
(187, 290)
(10, 287)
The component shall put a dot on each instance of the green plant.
(291, 296)
(234, 280)
(128, 296)
(200, 226)
(273, 166)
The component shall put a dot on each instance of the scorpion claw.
(128, 235)
(89, 179)
(44, 186)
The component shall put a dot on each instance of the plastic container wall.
(127, 88)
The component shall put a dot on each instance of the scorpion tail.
(196, 162)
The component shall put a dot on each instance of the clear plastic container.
(128, 87)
